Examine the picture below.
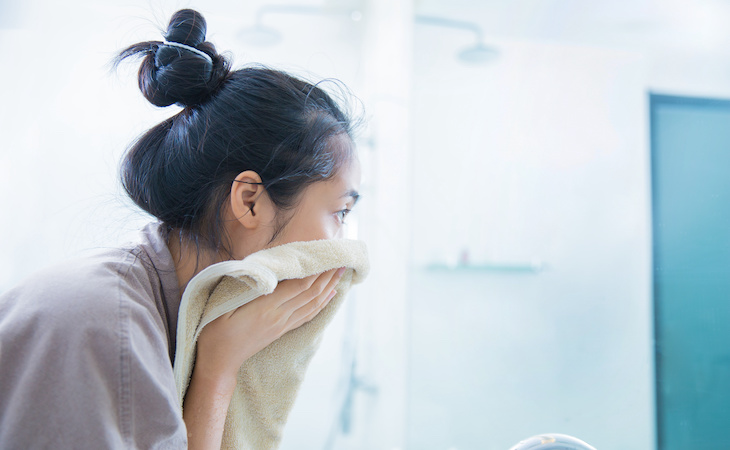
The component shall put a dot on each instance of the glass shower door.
(691, 183)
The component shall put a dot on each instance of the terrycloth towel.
(268, 381)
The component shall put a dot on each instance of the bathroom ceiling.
(692, 25)
(665, 25)
(669, 25)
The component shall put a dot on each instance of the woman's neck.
(189, 260)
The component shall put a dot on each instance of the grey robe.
(86, 353)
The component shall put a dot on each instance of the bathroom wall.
(530, 293)
(531, 300)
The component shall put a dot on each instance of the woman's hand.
(227, 342)
(231, 339)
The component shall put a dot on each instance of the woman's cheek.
(339, 234)
(332, 229)
(325, 228)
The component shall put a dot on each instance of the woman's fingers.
(308, 306)
(288, 289)
(291, 294)
(300, 317)
(292, 303)
(327, 294)
(317, 293)
(225, 343)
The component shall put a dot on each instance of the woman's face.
(323, 207)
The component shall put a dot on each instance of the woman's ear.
(246, 190)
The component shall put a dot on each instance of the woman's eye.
(341, 214)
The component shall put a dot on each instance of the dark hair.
(256, 118)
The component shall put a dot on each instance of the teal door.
(691, 207)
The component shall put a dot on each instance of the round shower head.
(478, 54)
(260, 35)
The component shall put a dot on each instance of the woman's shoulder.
(76, 279)
(87, 334)
(92, 290)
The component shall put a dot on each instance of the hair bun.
(187, 73)
(187, 27)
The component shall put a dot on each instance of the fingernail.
(340, 272)
(332, 294)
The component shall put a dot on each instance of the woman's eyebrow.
(354, 194)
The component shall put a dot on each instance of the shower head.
(474, 55)
(478, 54)
(260, 35)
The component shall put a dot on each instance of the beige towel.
(268, 381)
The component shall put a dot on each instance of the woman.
(257, 158)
